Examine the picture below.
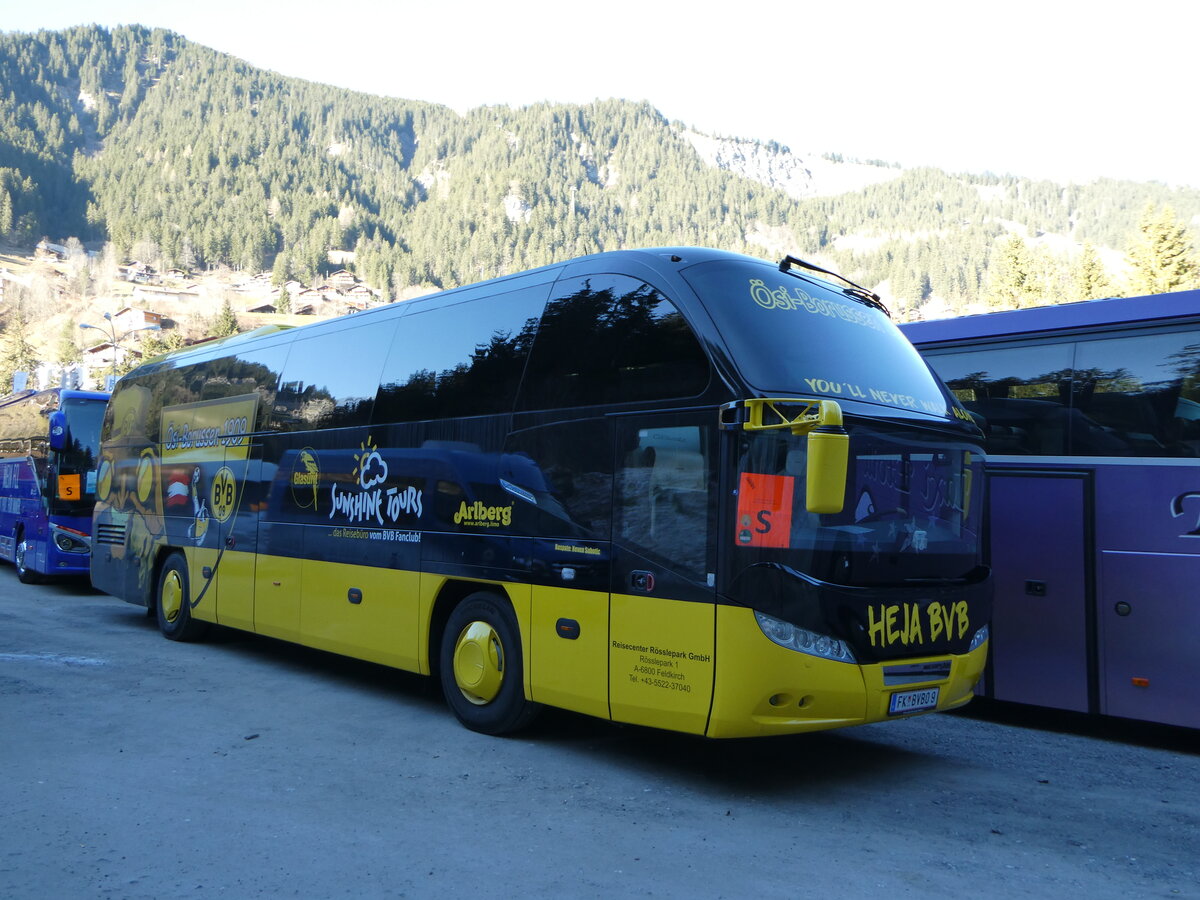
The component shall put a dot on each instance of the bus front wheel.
(25, 574)
(481, 666)
(174, 609)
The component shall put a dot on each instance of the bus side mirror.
(58, 430)
(828, 455)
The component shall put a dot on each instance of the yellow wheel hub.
(479, 663)
(172, 596)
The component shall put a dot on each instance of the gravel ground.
(140, 768)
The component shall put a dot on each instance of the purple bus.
(49, 444)
(1092, 417)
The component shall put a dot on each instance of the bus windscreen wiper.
(854, 291)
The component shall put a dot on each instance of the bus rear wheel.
(172, 599)
(25, 574)
(481, 666)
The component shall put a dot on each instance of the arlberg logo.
(306, 478)
(479, 516)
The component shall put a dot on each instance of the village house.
(360, 293)
(133, 319)
(47, 250)
(342, 279)
(137, 272)
(306, 303)
(155, 292)
(104, 356)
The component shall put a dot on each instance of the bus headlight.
(68, 540)
(978, 639)
(785, 634)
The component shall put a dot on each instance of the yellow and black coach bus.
(681, 488)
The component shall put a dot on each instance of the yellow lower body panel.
(203, 589)
(361, 611)
(661, 662)
(568, 650)
(235, 605)
(764, 689)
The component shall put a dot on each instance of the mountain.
(171, 151)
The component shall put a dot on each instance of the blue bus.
(1092, 416)
(49, 444)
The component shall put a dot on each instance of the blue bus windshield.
(84, 417)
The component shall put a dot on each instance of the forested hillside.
(176, 154)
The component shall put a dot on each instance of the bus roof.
(652, 258)
(1155, 309)
(61, 393)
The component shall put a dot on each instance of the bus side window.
(663, 491)
(1141, 389)
(611, 339)
(464, 359)
(330, 380)
(256, 372)
(1021, 394)
(567, 466)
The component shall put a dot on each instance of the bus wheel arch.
(171, 599)
(25, 574)
(481, 663)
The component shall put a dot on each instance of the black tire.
(171, 602)
(481, 666)
(25, 574)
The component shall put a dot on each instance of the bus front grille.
(916, 672)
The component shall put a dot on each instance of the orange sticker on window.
(764, 515)
(69, 488)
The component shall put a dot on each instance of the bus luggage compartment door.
(1040, 632)
(1148, 662)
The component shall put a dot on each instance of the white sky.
(1053, 89)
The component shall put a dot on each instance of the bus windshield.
(792, 335)
(84, 418)
(912, 511)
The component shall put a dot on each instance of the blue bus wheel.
(25, 574)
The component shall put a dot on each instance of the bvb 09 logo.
(223, 494)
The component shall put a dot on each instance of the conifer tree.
(226, 322)
(1163, 254)
(279, 270)
(1012, 281)
(6, 213)
(1089, 277)
(66, 351)
(158, 343)
(18, 354)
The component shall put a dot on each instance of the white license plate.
(913, 701)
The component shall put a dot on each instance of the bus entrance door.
(662, 647)
(236, 539)
(206, 461)
(220, 544)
